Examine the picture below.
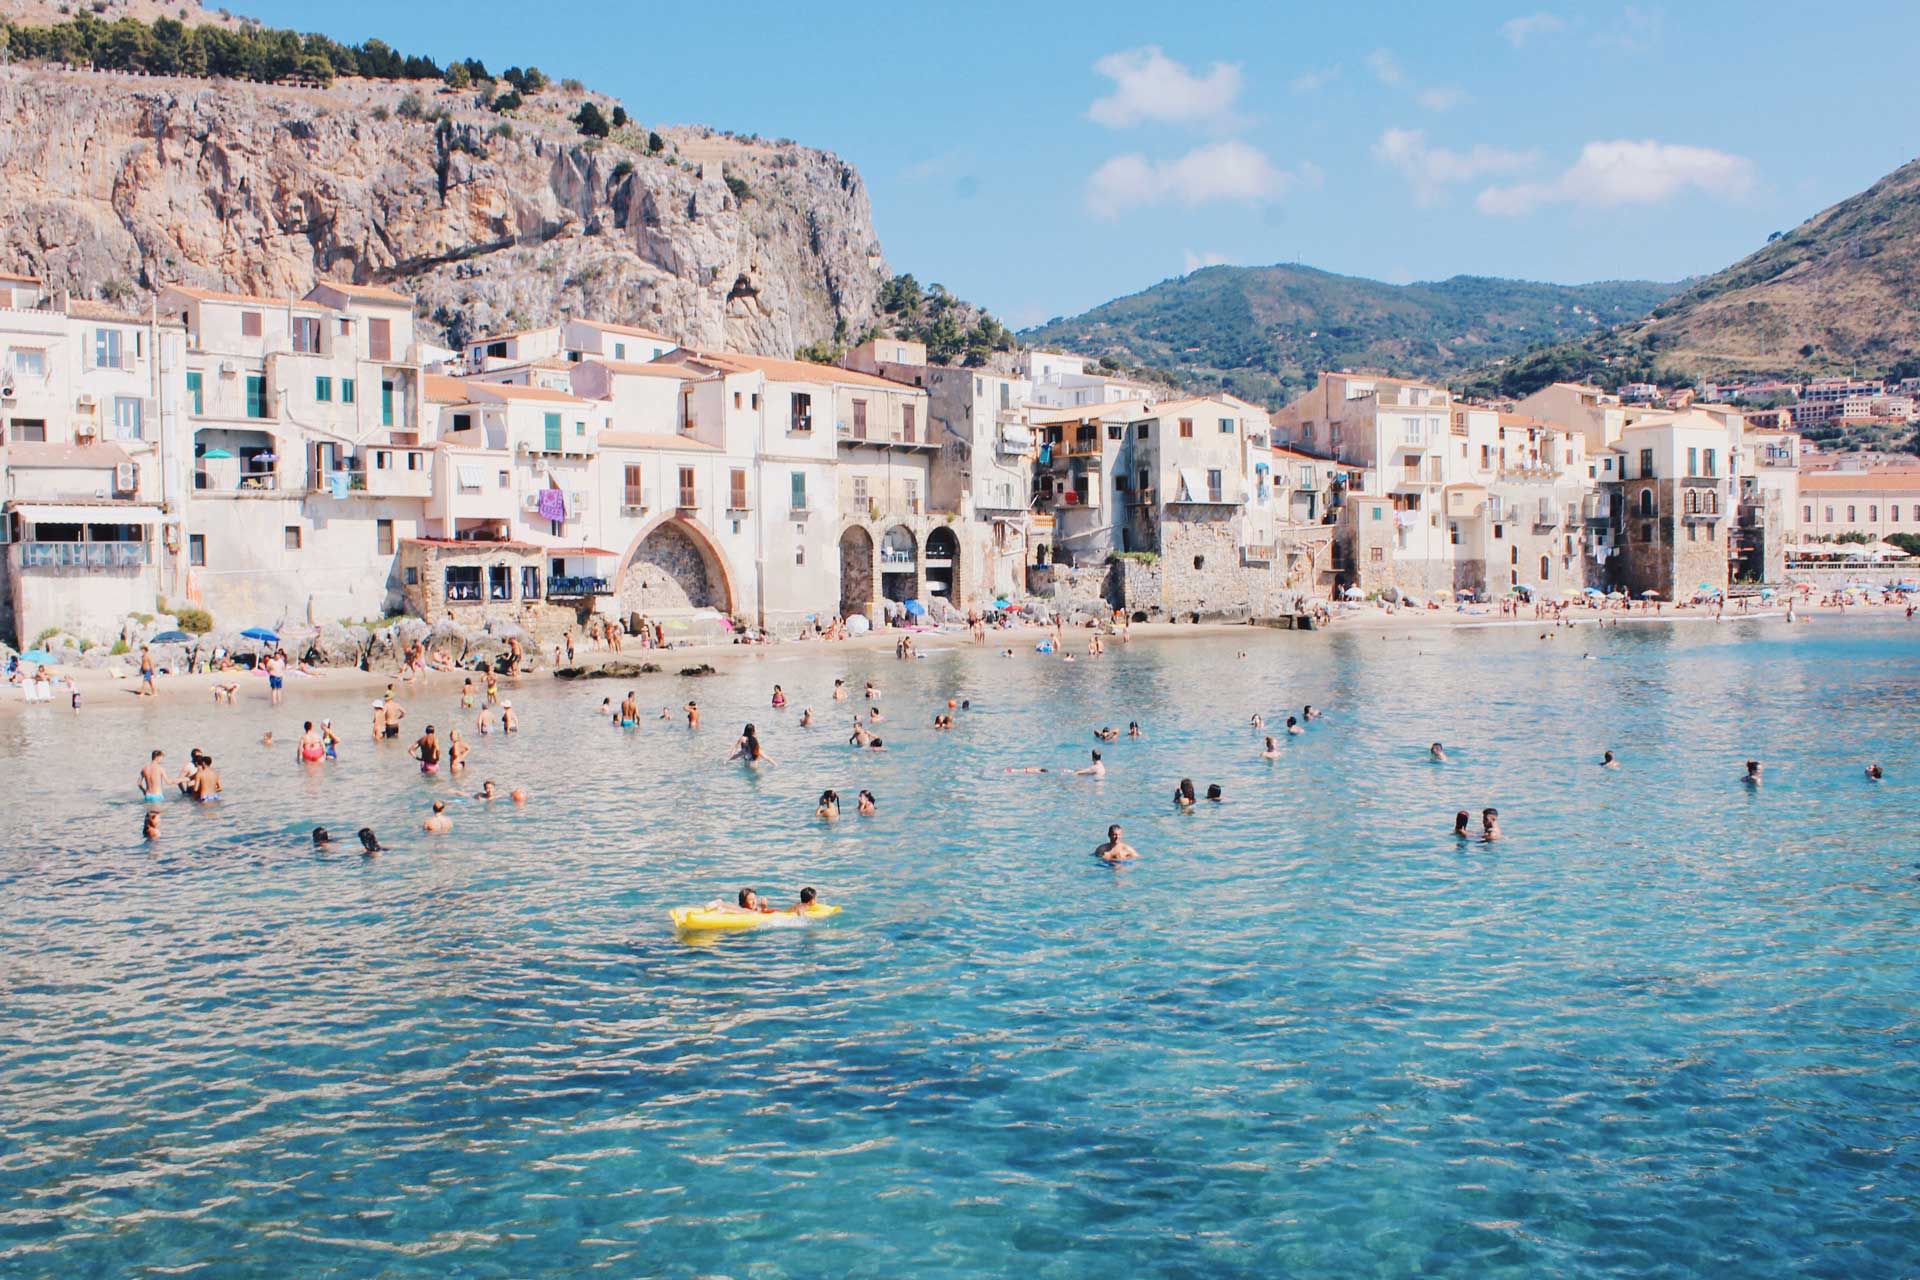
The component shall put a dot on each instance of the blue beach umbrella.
(1592, 591)
(261, 633)
(171, 637)
(38, 657)
(915, 608)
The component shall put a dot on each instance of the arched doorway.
(943, 565)
(673, 569)
(900, 564)
(856, 572)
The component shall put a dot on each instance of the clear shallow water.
(1667, 1027)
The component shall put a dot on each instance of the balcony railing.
(85, 555)
(577, 588)
(634, 498)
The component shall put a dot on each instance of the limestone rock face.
(113, 184)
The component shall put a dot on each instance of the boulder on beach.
(703, 669)
(615, 670)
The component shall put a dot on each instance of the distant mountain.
(1263, 332)
(1839, 291)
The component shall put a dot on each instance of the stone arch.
(900, 564)
(673, 565)
(856, 571)
(943, 564)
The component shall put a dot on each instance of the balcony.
(577, 588)
(85, 555)
(635, 500)
(1144, 497)
(851, 434)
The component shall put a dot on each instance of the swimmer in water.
(427, 751)
(330, 740)
(486, 792)
(806, 717)
(874, 716)
(321, 838)
(1215, 793)
(509, 719)
(466, 694)
(370, 845)
(1097, 769)
(1183, 794)
(872, 691)
(457, 750)
(1489, 825)
(1270, 749)
(629, 711)
(867, 804)
(438, 823)
(1608, 762)
(311, 750)
(779, 697)
(829, 806)
(1293, 726)
(1258, 723)
(1437, 753)
(747, 748)
(150, 828)
(1463, 825)
(1307, 712)
(153, 778)
(1752, 778)
(693, 714)
(1134, 730)
(206, 781)
(860, 736)
(1874, 774)
(839, 690)
(1116, 849)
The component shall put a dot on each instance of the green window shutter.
(195, 397)
(553, 433)
(323, 390)
(346, 391)
(256, 396)
(386, 403)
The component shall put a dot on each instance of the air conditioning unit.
(126, 477)
(577, 501)
(228, 368)
(6, 390)
(530, 500)
(85, 400)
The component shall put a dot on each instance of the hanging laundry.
(553, 504)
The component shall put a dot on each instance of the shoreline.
(99, 685)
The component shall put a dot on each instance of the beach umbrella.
(38, 657)
(266, 457)
(171, 637)
(1766, 593)
(1649, 594)
(915, 608)
(1592, 591)
(262, 634)
(1353, 593)
(216, 453)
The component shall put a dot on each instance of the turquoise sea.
(1669, 1026)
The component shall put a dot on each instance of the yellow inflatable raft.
(715, 918)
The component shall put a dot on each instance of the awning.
(579, 551)
(1190, 481)
(472, 474)
(99, 513)
(1016, 435)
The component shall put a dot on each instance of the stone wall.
(669, 574)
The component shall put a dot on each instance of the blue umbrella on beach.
(261, 633)
(171, 637)
(38, 657)
(1593, 591)
(915, 608)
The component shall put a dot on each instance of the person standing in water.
(1116, 849)
(693, 714)
(509, 720)
(311, 750)
(438, 823)
(153, 778)
(427, 751)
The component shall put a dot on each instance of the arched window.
(1690, 502)
(1546, 568)
(1710, 501)
(1646, 502)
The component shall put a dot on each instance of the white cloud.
(1517, 31)
(1204, 258)
(1148, 85)
(1624, 172)
(1440, 99)
(1385, 67)
(1228, 170)
(1430, 169)
(1316, 80)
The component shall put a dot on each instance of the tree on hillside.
(619, 116)
(655, 143)
(590, 122)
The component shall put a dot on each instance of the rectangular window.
(196, 397)
(620, 353)
(1873, 511)
(1713, 465)
(383, 537)
(127, 418)
(737, 490)
(256, 395)
(386, 402)
(1693, 461)
(197, 550)
(1376, 554)
(499, 582)
(306, 335)
(552, 433)
(383, 460)
(913, 495)
(1646, 463)
(633, 491)
(859, 419)
(908, 424)
(687, 497)
(860, 490)
(1851, 513)
(1829, 515)
(1806, 515)
(380, 339)
(323, 390)
(529, 582)
(463, 582)
(1186, 428)
(579, 428)
(1893, 514)
(1215, 490)
(737, 400)
(1115, 431)
(28, 363)
(1226, 426)
(249, 324)
(801, 418)
(799, 492)
(496, 350)
(346, 391)
(293, 537)
(754, 401)
(29, 430)
(106, 348)
(1140, 430)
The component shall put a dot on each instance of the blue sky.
(1042, 158)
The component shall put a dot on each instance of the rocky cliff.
(111, 184)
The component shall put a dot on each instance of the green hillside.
(1263, 332)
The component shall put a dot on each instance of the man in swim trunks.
(276, 678)
(146, 672)
(629, 711)
(1098, 769)
(438, 823)
(427, 752)
(1115, 849)
(391, 714)
(153, 778)
(206, 781)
